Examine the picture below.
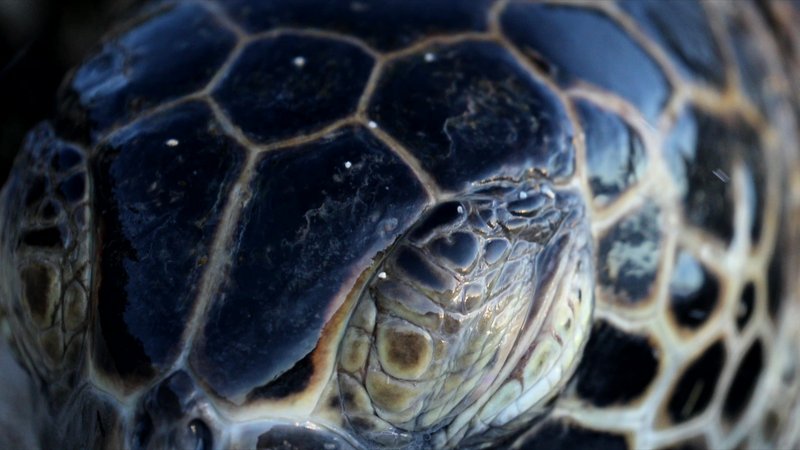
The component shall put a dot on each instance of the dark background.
(40, 40)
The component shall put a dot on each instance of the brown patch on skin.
(39, 288)
(334, 402)
(451, 325)
(347, 398)
(354, 396)
(361, 423)
(391, 395)
(405, 349)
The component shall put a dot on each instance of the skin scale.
(310, 224)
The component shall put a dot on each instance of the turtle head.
(473, 322)
(462, 334)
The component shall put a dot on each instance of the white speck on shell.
(430, 57)
(523, 195)
(299, 61)
(382, 275)
(460, 209)
(172, 142)
(348, 164)
(372, 124)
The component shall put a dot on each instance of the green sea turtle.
(415, 224)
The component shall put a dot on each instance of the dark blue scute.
(472, 112)
(313, 224)
(65, 158)
(384, 24)
(163, 58)
(681, 28)
(160, 186)
(696, 386)
(740, 392)
(576, 44)
(615, 153)
(693, 291)
(617, 367)
(702, 150)
(289, 85)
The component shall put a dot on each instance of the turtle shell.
(414, 224)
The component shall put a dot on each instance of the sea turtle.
(415, 224)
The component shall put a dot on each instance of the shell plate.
(236, 174)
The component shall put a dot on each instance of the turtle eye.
(44, 234)
(473, 321)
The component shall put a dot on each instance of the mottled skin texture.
(414, 224)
